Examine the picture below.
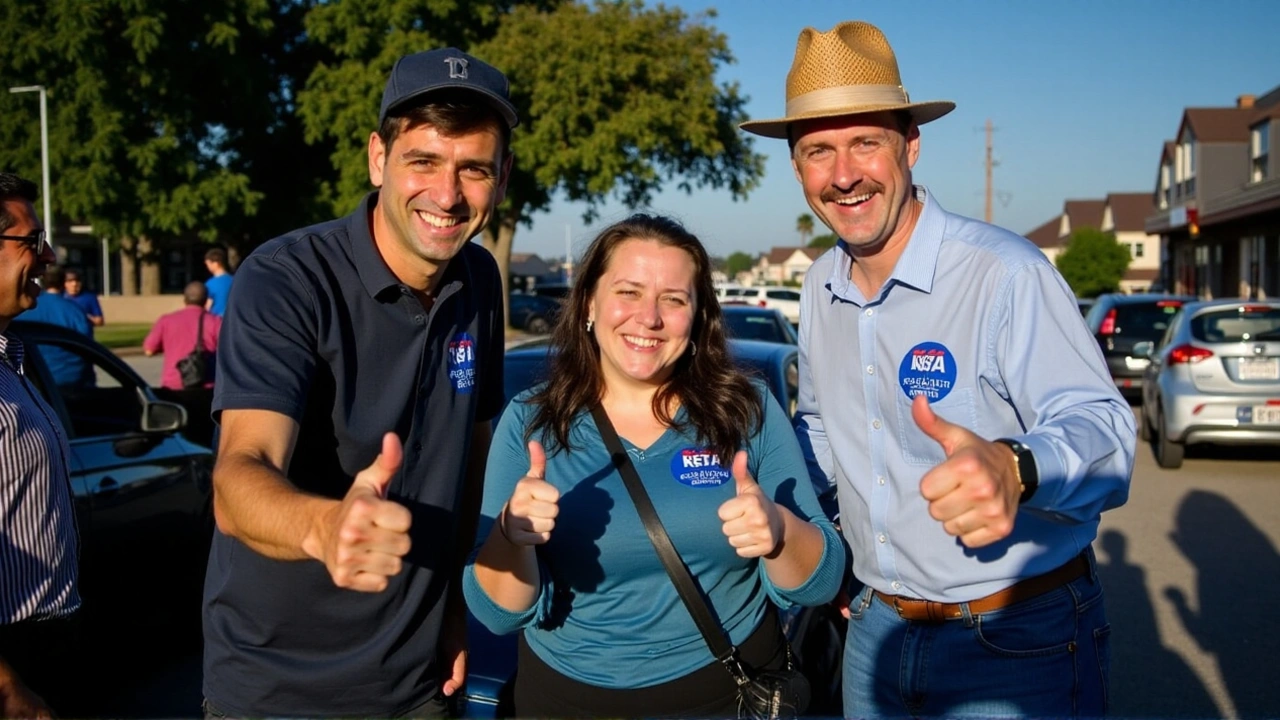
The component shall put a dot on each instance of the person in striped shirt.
(38, 537)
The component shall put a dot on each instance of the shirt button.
(875, 424)
(880, 480)
(871, 369)
(417, 447)
(881, 537)
(870, 312)
(896, 585)
(419, 319)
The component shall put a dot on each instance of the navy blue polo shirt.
(320, 330)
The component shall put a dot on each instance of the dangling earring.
(695, 349)
(590, 324)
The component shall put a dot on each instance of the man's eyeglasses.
(35, 241)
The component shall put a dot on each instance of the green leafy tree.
(804, 226)
(152, 105)
(1093, 262)
(616, 99)
(736, 263)
(825, 240)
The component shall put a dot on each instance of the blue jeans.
(1046, 656)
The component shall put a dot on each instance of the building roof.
(779, 254)
(1129, 211)
(1147, 274)
(1218, 124)
(1046, 236)
(1082, 214)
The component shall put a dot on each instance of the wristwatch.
(1028, 476)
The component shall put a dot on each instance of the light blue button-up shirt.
(976, 318)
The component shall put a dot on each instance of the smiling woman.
(640, 347)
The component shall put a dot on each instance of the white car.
(774, 297)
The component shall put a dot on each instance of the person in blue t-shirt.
(562, 553)
(88, 302)
(219, 285)
(69, 369)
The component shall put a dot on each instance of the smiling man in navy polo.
(359, 367)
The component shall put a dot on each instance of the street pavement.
(1191, 570)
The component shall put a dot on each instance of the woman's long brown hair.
(721, 404)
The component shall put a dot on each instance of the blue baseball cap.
(448, 68)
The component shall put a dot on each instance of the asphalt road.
(1191, 569)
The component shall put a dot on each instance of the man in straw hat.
(954, 400)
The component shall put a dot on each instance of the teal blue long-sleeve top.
(606, 613)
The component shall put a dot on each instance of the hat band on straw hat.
(847, 96)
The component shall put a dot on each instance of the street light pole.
(44, 155)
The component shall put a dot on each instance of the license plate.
(1260, 368)
(1259, 414)
(1138, 363)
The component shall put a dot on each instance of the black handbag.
(194, 367)
(762, 694)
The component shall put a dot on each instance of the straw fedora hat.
(846, 71)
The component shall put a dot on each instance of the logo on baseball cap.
(449, 68)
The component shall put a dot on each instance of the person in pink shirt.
(174, 334)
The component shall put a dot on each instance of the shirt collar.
(374, 273)
(11, 351)
(919, 260)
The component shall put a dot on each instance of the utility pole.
(986, 215)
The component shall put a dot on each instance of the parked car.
(767, 296)
(533, 313)
(745, 322)
(1214, 377)
(551, 290)
(1120, 321)
(142, 491)
(493, 658)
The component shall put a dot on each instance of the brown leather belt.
(930, 611)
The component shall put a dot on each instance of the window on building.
(1139, 249)
(1164, 186)
(1259, 147)
(1187, 158)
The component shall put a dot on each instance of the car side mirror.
(1144, 348)
(159, 416)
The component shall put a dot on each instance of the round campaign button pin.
(698, 468)
(928, 369)
(462, 362)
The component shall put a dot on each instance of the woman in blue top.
(564, 555)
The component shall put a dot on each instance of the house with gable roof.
(785, 264)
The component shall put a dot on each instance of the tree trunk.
(128, 266)
(149, 258)
(497, 240)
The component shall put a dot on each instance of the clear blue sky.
(1082, 94)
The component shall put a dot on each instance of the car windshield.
(1145, 321)
(756, 326)
(1237, 324)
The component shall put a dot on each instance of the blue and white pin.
(928, 369)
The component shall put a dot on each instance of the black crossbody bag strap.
(200, 333)
(714, 635)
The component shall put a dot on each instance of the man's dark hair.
(11, 187)
(217, 255)
(54, 278)
(453, 112)
(195, 293)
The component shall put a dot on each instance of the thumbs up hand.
(752, 521)
(530, 515)
(362, 539)
(974, 493)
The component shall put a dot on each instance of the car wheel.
(538, 326)
(1168, 453)
(1144, 425)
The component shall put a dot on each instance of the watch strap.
(1028, 474)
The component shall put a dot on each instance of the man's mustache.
(864, 187)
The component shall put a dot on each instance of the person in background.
(70, 370)
(175, 334)
(39, 538)
(565, 557)
(348, 478)
(87, 301)
(219, 283)
(955, 402)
